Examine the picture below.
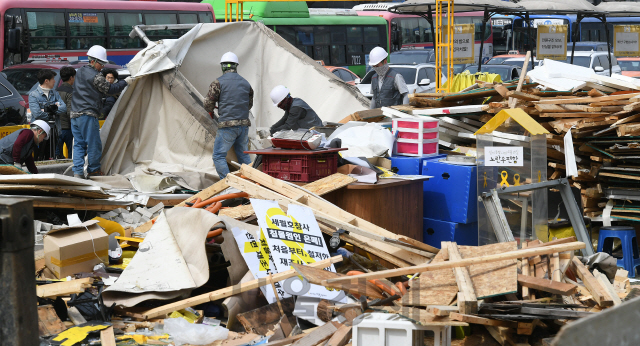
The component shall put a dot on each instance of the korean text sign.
(463, 43)
(552, 42)
(504, 156)
(626, 40)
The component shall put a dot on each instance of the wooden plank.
(442, 310)
(626, 120)
(495, 278)
(48, 321)
(92, 192)
(556, 271)
(240, 212)
(316, 276)
(481, 320)
(49, 179)
(227, 291)
(536, 244)
(554, 312)
(608, 287)
(263, 319)
(523, 96)
(331, 183)
(597, 291)
(432, 288)
(421, 316)
(321, 334)
(63, 288)
(465, 262)
(341, 337)
(523, 73)
(588, 99)
(546, 286)
(467, 300)
(502, 90)
(623, 176)
(632, 107)
(526, 295)
(107, 338)
(572, 115)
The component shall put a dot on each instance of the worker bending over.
(86, 106)
(17, 148)
(297, 113)
(234, 97)
(387, 86)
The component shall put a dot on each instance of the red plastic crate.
(303, 167)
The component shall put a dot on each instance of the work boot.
(79, 176)
(97, 173)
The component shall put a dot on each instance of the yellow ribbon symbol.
(539, 177)
(504, 176)
(485, 179)
(516, 180)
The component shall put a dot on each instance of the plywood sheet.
(49, 179)
(93, 192)
(495, 278)
(48, 321)
(432, 288)
(330, 183)
(240, 212)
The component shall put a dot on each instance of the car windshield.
(583, 61)
(626, 65)
(503, 71)
(22, 78)
(409, 59)
(496, 61)
(408, 73)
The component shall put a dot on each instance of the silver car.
(420, 78)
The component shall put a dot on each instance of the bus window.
(338, 55)
(86, 29)
(478, 26)
(161, 18)
(321, 53)
(304, 35)
(47, 30)
(287, 33)
(206, 17)
(354, 40)
(371, 35)
(188, 18)
(121, 24)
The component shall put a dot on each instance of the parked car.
(14, 107)
(520, 61)
(506, 72)
(597, 61)
(630, 66)
(419, 78)
(345, 74)
(587, 46)
(500, 59)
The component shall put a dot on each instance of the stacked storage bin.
(450, 208)
(416, 136)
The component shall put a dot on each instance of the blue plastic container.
(451, 194)
(437, 231)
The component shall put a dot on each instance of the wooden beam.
(316, 275)
(554, 312)
(588, 99)
(597, 291)
(556, 272)
(317, 336)
(341, 337)
(442, 310)
(622, 176)
(523, 73)
(464, 262)
(107, 338)
(523, 96)
(481, 320)
(228, 291)
(467, 301)
(63, 288)
(318, 204)
(526, 295)
(608, 287)
(546, 286)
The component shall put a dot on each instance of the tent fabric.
(423, 6)
(555, 7)
(620, 9)
(150, 127)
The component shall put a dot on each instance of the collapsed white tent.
(150, 128)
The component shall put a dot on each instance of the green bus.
(336, 37)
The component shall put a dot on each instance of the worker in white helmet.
(297, 113)
(86, 105)
(17, 148)
(234, 98)
(387, 86)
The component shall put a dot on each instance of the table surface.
(384, 183)
(276, 151)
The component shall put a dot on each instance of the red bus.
(412, 31)
(65, 29)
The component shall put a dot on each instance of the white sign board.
(552, 42)
(463, 43)
(537, 22)
(293, 237)
(503, 156)
(626, 42)
(256, 255)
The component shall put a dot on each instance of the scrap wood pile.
(602, 113)
(518, 295)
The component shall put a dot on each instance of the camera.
(51, 108)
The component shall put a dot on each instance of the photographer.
(46, 104)
(111, 75)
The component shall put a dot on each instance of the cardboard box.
(76, 249)
(380, 162)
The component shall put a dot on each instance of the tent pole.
(575, 35)
(606, 31)
(526, 16)
(482, 30)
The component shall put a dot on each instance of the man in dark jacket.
(17, 148)
(88, 89)
(388, 87)
(68, 76)
(111, 76)
(234, 97)
(297, 113)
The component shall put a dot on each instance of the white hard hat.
(43, 125)
(229, 57)
(377, 55)
(99, 53)
(278, 94)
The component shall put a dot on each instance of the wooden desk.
(393, 204)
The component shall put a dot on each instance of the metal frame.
(496, 216)
(575, 216)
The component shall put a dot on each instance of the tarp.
(422, 6)
(555, 7)
(150, 127)
(620, 9)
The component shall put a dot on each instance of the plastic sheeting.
(620, 9)
(150, 127)
(465, 79)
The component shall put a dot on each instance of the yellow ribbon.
(504, 176)
(539, 177)
(516, 180)
(485, 179)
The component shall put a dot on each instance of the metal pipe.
(575, 35)
(606, 32)
(482, 30)
(139, 30)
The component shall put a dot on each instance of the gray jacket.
(66, 92)
(235, 98)
(6, 148)
(88, 89)
(388, 95)
(299, 116)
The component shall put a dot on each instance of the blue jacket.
(38, 101)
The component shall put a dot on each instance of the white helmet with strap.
(278, 94)
(99, 53)
(44, 126)
(229, 57)
(377, 55)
